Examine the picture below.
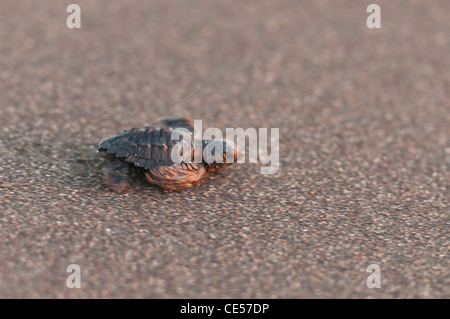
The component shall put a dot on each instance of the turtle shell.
(146, 147)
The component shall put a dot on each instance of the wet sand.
(364, 149)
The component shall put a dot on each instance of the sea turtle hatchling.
(150, 149)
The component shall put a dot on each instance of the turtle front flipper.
(175, 122)
(116, 175)
(176, 177)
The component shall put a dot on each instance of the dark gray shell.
(145, 147)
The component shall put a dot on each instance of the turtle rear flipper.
(116, 175)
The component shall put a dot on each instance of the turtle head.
(218, 153)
